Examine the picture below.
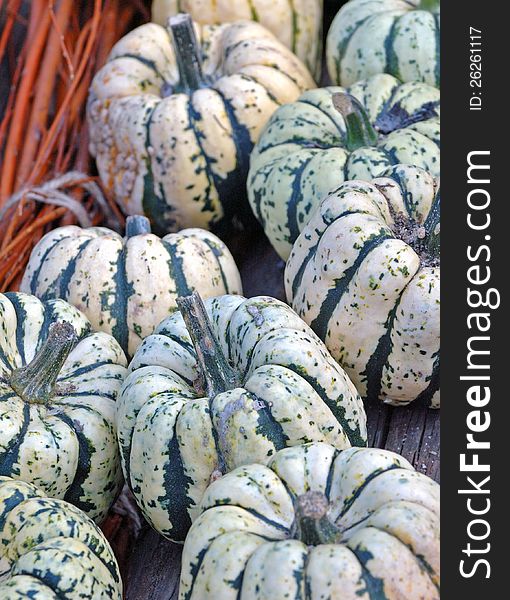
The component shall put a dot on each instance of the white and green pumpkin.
(173, 120)
(365, 274)
(399, 37)
(58, 386)
(296, 23)
(225, 386)
(316, 523)
(50, 550)
(126, 286)
(328, 136)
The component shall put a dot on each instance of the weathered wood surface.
(154, 565)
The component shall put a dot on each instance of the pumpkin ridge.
(213, 179)
(10, 456)
(325, 113)
(296, 283)
(46, 584)
(118, 308)
(373, 585)
(85, 370)
(35, 274)
(145, 61)
(331, 473)
(217, 253)
(332, 299)
(268, 426)
(175, 268)
(425, 397)
(379, 358)
(85, 450)
(175, 478)
(359, 490)
(343, 44)
(437, 69)
(243, 147)
(424, 567)
(64, 277)
(391, 56)
(296, 196)
(154, 206)
(21, 317)
(354, 435)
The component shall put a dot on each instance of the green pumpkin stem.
(430, 5)
(432, 228)
(359, 131)
(217, 374)
(187, 52)
(312, 525)
(35, 383)
(137, 225)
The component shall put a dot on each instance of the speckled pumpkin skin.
(50, 550)
(126, 286)
(174, 440)
(301, 155)
(182, 159)
(67, 448)
(298, 24)
(244, 544)
(366, 293)
(384, 36)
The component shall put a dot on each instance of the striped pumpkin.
(298, 24)
(58, 387)
(186, 414)
(50, 550)
(310, 147)
(399, 37)
(364, 274)
(172, 123)
(127, 286)
(316, 523)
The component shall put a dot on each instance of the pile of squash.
(237, 423)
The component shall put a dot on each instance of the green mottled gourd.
(316, 522)
(399, 37)
(331, 135)
(298, 24)
(51, 550)
(174, 114)
(222, 386)
(58, 387)
(126, 286)
(365, 273)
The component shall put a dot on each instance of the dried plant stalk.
(43, 132)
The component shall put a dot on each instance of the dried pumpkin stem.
(431, 5)
(312, 525)
(35, 383)
(187, 52)
(218, 376)
(137, 225)
(359, 131)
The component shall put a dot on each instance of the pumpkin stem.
(432, 228)
(312, 525)
(217, 374)
(137, 225)
(431, 5)
(359, 131)
(35, 382)
(187, 52)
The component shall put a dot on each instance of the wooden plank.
(414, 433)
(155, 566)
